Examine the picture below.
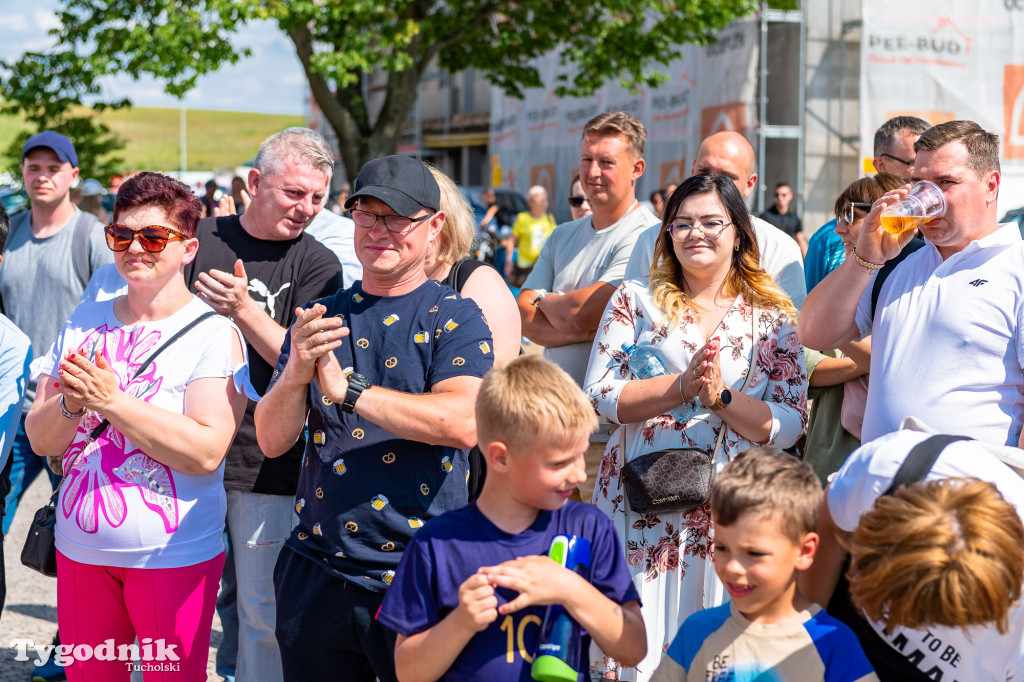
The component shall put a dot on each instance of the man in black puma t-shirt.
(256, 269)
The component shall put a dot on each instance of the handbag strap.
(96, 432)
(920, 460)
(99, 429)
(755, 314)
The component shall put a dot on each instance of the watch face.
(725, 396)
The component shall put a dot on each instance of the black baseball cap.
(50, 139)
(401, 182)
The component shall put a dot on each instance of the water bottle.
(647, 361)
(557, 656)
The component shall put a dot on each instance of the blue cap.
(60, 145)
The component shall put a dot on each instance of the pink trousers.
(170, 610)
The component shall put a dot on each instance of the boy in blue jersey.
(764, 508)
(468, 597)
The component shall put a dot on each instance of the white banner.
(536, 140)
(944, 60)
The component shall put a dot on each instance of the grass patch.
(216, 139)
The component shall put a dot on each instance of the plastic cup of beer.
(924, 203)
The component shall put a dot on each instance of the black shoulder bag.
(40, 550)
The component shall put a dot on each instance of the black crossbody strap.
(96, 432)
(920, 460)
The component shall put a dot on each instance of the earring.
(736, 247)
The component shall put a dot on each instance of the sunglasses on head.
(576, 202)
(152, 238)
(847, 215)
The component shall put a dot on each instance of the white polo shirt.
(947, 345)
(780, 258)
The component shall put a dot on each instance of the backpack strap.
(80, 246)
(96, 432)
(920, 460)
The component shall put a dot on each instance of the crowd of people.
(321, 424)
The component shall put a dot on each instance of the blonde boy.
(764, 508)
(468, 597)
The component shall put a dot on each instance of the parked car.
(510, 204)
(14, 200)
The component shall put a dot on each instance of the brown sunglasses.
(152, 238)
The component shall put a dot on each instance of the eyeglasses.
(395, 223)
(847, 215)
(896, 158)
(576, 202)
(711, 230)
(152, 238)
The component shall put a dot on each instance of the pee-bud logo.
(148, 650)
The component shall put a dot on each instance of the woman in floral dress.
(699, 311)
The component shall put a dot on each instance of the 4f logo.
(977, 282)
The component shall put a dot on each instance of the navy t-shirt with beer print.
(363, 491)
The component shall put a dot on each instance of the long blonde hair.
(745, 276)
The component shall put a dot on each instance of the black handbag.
(673, 480)
(40, 550)
(676, 479)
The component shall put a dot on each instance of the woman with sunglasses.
(579, 205)
(698, 310)
(141, 508)
(838, 378)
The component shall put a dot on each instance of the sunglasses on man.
(152, 238)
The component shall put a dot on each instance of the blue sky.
(271, 81)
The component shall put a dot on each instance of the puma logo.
(258, 287)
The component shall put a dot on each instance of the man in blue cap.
(52, 250)
(389, 434)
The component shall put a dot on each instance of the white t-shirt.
(577, 256)
(979, 654)
(780, 258)
(338, 234)
(947, 345)
(118, 506)
(105, 284)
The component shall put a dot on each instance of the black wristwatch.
(724, 398)
(357, 383)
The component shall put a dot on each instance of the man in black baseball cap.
(389, 438)
(401, 182)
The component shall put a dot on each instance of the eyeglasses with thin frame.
(152, 238)
(896, 158)
(576, 202)
(398, 224)
(847, 215)
(710, 230)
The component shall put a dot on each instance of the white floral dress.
(670, 555)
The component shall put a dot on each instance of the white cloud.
(271, 81)
(45, 19)
(14, 22)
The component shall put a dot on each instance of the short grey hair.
(537, 192)
(889, 133)
(303, 145)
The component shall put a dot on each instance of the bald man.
(730, 154)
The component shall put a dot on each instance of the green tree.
(341, 43)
